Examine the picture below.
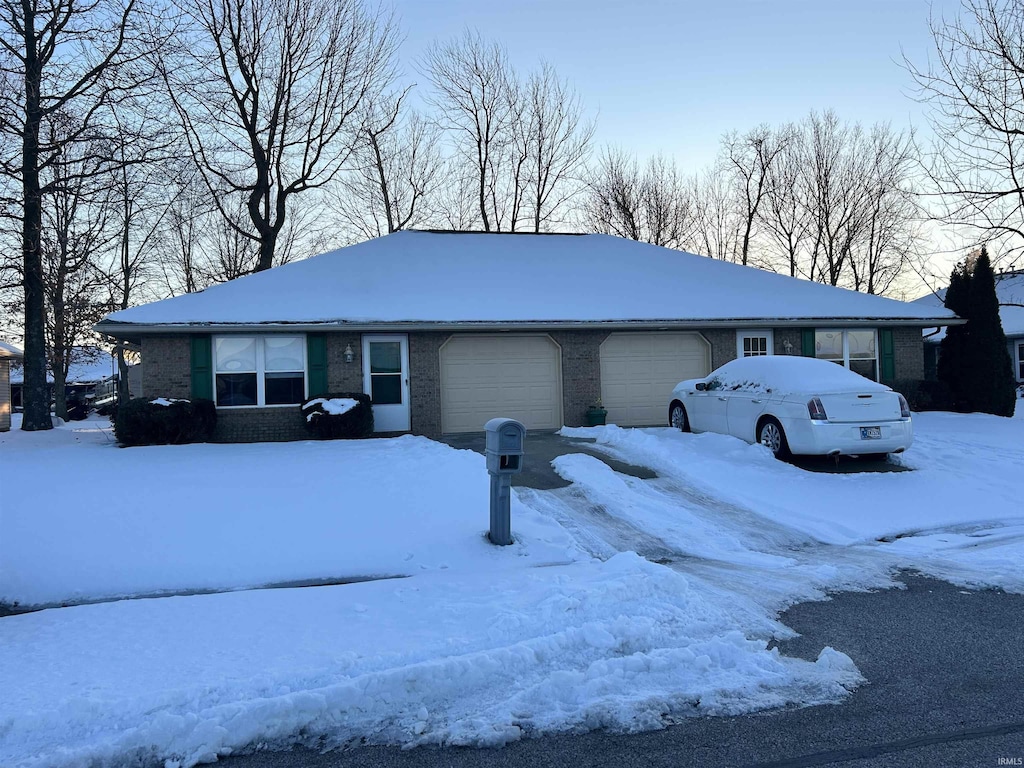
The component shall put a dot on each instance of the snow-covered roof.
(88, 366)
(435, 278)
(1009, 290)
(9, 350)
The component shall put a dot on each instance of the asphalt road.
(945, 670)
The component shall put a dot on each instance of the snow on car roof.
(790, 373)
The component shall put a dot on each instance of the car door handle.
(755, 401)
(723, 399)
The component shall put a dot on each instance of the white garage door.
(486, 376)
(639, 371)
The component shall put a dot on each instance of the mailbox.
(503, 446)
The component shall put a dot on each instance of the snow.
(334, 406)
(786, 374)
(1009, 289)
(9, 350)
(573, 627)
(88, 365)
(167, 401)
(427, 277)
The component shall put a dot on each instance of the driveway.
(541, 448)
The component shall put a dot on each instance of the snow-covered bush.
(164, 421)
(332, 416)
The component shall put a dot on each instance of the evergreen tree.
(989, 370)
(955, 346)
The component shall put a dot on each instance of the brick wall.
(908, 345)
(257, 425)
(425, 381)
(167, 366)
(342, 376)
(793, 336)
(723, 345)
(581, 372)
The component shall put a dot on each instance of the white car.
(795, 405)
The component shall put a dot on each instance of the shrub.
(347, 415)
(925, 394)
(164, 421)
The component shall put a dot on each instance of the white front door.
(386, 380)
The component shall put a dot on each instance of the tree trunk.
(35, 395)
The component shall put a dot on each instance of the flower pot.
(596, 416)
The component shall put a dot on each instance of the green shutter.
(807, 342)
(888, 356)
(316, 363)
(202, 367)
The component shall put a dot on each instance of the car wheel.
(677, 417)
(771, 435)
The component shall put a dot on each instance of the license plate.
(870, 433)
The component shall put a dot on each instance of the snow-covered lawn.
(565, 629)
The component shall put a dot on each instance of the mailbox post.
(503, 449)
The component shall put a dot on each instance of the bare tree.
(785, 216)
(750, 159)
(271, 96)
(61, 56)
(75, 210)
(556, 141)
(718, 225)
(974, 85)
(398, 170)
(475, 97)
(650, 203)
(890, 215)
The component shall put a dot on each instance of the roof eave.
(133, 331)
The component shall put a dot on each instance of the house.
(89, 367)
(446, 330)
(1010, 292)
(8, 353)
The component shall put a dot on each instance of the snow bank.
(439, 659)
(957, 515)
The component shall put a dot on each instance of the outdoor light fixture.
(349, 354)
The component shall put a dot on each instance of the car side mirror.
(700, 386)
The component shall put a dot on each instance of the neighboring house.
(89, 367)
(1009, 290)
(446, 330)
(8, 354)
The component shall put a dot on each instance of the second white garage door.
(639, 371)
(487, 376)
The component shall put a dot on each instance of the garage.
(639, 370)
(484, 376)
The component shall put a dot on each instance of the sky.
(673, 77)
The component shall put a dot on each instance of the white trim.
(1018, 360)
(260, 372)
(756, 333)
